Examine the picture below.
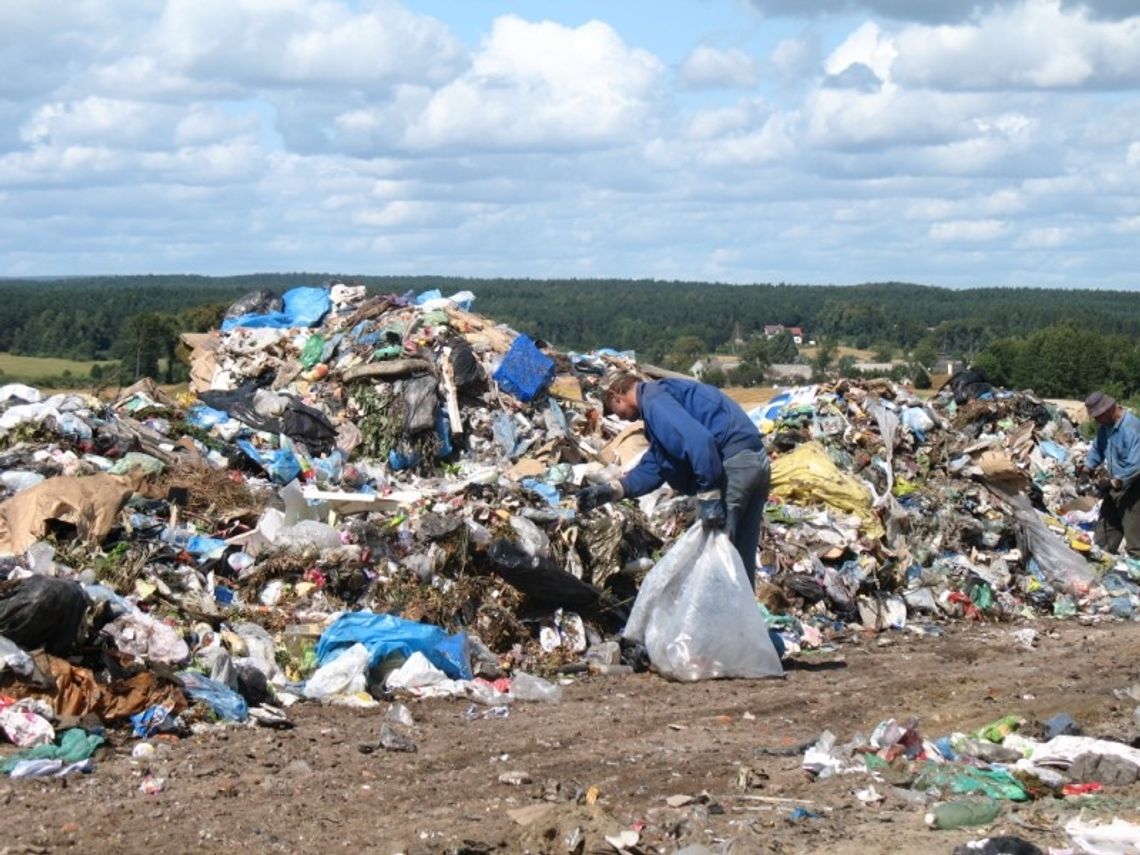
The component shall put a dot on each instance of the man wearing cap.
(1117, 446)
(701, 443)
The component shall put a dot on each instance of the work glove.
(714, 515)
(594, 496)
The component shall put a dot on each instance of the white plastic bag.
(697, 616)
(528, 687)
(345, 675)
(416, 673)
(13, 658)
(1118, 837)
(141, 635)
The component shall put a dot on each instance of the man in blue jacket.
(1117, 446)
(701, 443)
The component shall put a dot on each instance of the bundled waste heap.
(891, 511)
(362, 494)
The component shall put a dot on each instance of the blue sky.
(947, 143)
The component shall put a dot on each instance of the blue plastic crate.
(525, 370)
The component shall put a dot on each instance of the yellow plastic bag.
(807, 476)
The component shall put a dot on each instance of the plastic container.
(963, 813)
(525, 370)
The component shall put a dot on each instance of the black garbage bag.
(999, 846)
(252, 684)
(969, 384)
(300, 422)
(256, 303)
(804, 586)
(43, 612)
(308, 425)
(542, 581)
(236, 402)
(468, 372)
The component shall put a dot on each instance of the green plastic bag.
(964, 780)
(311, 353)
(998, 730)
(71, 746)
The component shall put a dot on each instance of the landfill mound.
(365, 496)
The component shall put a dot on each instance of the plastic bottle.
(962, 813)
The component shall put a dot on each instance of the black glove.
(591, 497)
(713, 513)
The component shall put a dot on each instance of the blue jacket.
(692, 429)
(1118, 447)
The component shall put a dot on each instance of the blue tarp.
(386, 634)
(304, 307)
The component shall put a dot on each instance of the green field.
(32, 367)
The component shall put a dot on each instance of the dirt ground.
(605, 759)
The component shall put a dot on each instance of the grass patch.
(37, 367)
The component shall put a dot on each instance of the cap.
(1098, 403)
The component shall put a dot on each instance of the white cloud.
(1037, 44)
(1126, 226)
(970, 231)
(710, 124)
(542, 84)
(115, 122)
(1046, 238)
(931, 11)
(866, 46)
(261, 43)
(1000, 203)
(205, 124)
(795, 59)
(771, 142)
(707, 67)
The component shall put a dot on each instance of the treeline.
(1065, 361)
(81, 318)
(122, 317)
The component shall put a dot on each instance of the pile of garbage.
(890, 511)
(361, 495)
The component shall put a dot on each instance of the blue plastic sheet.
(398, 460)
(433, 294)
(224, 701)
(281, 465)
(205, 417)
(156, 719)
(525, 370)
(547, 491)
(303, 307)
(384, 635)
(201, 545)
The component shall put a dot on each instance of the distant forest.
(1009, 331)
